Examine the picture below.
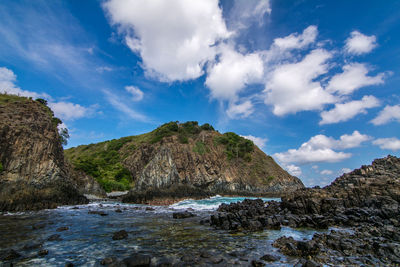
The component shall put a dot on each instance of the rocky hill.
(181, 160)
(33, 173)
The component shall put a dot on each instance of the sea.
(151, 230)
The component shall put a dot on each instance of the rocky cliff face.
(368, 186)
(169, 163)
(34, 174)
(181, 160)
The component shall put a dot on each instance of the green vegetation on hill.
(1, 167)
(235, 146)
(103, 160)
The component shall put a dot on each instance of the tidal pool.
(88, 239)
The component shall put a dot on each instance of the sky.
(315, 84)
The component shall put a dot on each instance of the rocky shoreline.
(364, 201)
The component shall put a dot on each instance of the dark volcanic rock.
(63, 228)
(270, 257)
(137, 260)
(120, 235)
(55, 237)
(182, 215)
(9, 255)
(43, 252)
(366, 200)
(98, 212)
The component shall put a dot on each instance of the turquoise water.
(211, 203)
(89, 237)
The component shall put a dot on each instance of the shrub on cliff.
(235, 145)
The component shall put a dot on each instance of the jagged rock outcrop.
(186, 160)
(34, 174)
(373, 186)
(366, 200)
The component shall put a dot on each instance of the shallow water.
(89, 237)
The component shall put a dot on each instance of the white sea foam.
(211, 203)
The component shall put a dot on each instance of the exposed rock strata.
(171, 169)
(34, 174)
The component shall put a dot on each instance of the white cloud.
(292, 87)
(70, 111)
(320, 149)
(258, 141)
(389, 113)
(136, 93)
(7, 85)
(232, 73)
(119, 104)
(104, 69)
(242, 110)
(315, 167)
(359, 43)
(326, 172)
(297, 41)
(353, 77)
(346, 111)
(351, 141)
(293, 169)
(388, 143)
(244, 12)
(174, 38)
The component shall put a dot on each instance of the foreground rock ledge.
(364, 201)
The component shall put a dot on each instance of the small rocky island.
(181, 160)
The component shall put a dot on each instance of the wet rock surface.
(366, 201)
(183, 215)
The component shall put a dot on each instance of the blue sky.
(313, 83)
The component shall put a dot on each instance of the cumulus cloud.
(174, 38)
(7, 85)
(136, 93)
(320, 149)
(388, 143)
(70, 111)
(292, 87)
(232, 73)
(258, 141)
(293, 169)
(359, 43)
(297, 41)
(326, 172)
(346, 111)
(242, 110)
(389, 113)
(353, 77)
